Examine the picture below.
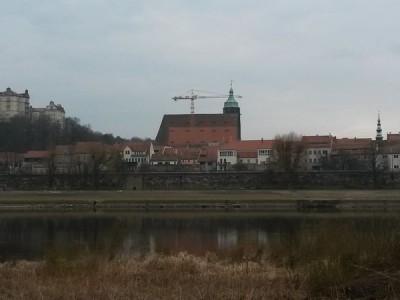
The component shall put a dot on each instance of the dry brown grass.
(156, 277)
(338, 260)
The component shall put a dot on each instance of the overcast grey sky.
(311, 66)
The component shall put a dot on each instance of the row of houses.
(321, 152)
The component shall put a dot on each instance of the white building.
(319, 148)
(255, 152)
(134, 154)
(13, 104)
(55, 112)
(391, 157)
(264, 155)
(227, 157)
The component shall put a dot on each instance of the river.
(31, 235)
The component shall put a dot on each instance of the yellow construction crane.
(195, 94)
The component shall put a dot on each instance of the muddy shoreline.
(248, 200)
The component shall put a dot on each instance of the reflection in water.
(227, 238)
(29, 235)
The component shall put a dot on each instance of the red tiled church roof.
(177, 125)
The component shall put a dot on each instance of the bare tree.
(101, 157)
(287, 152)
(377, 164)
(51, 167)
(9, 162)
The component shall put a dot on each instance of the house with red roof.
(353, 154)
(64, 159)
(254, 152)
(208, 158)
(318, 152)
(390, 153)
(189, 156)
(393, 137)
(36, 162)
(135, 154)
(164, 156)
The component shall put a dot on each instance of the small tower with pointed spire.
(232, 107)
(379, 136)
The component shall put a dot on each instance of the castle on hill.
(17, 104)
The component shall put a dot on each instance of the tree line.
(21, 134)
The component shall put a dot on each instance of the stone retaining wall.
(270, 180)
(225, 180)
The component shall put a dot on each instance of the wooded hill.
(21, 134)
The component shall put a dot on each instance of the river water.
(30, 235)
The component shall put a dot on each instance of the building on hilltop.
(202, 129)
(13, 104)
(55, 113)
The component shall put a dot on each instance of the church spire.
(379, 136)
(231, 102)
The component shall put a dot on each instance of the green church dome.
(231, 102)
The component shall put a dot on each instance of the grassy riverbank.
(172, 196)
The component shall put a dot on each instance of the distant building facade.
(13, 104)
(318, 152)
(249, 152)
(136, 154)
(55, 112)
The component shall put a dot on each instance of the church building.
(202, 129)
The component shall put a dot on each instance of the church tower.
(379, 136)
(232, 107)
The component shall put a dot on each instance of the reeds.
(331, 260)
(342, 260)
(182, 276)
